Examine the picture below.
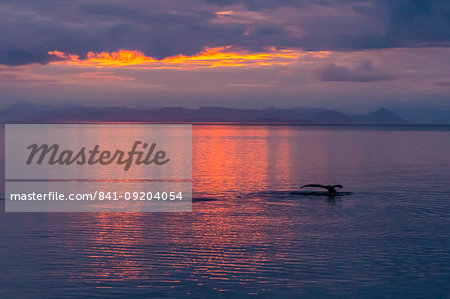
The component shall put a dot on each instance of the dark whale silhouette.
(330, 188)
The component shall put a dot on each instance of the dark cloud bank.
(29, 29)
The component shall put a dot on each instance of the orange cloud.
(224, 13)
(207, 58)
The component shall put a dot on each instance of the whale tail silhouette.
(330, 188)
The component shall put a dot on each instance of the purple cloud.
(363, 73)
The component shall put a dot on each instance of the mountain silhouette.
(383, 116)
(26, 112)
(333, 117)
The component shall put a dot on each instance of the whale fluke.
(330, 188)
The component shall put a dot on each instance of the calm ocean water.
(389, 238)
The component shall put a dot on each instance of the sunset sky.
(355, 55)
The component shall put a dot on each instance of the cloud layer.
(30, 29)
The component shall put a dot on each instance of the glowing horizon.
(207, 58)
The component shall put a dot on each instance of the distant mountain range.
(26, 112)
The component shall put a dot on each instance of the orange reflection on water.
(218, 241)
(111, 248)
(235, 165)
(230, 159)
